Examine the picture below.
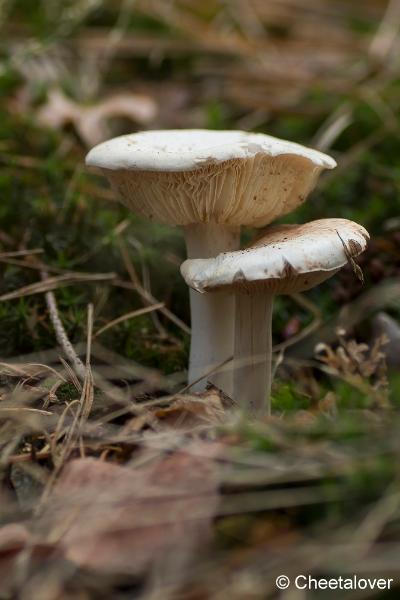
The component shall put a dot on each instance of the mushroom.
(285, 260)
(211, 183)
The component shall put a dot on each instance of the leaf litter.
(113, 484)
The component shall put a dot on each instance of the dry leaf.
(15, 539)
(91, 122)
(115, 519)
(360, 365)
(189, 411)
(183, 412)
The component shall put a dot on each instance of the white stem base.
(253, 352)
(212, 314)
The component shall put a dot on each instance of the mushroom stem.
(253, 352)
(212, 315)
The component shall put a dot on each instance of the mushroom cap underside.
(230, 178)
(284, 259)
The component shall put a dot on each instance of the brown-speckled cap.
(285, 259)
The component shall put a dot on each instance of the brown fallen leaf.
(91, 122)
(15, 540)
(181, 411)
(13, 537)
(189, 411)
(118, 520)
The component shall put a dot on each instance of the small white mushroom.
(285, 260)
(211, 183)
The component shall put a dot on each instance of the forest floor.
(115, 480)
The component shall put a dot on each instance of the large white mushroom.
(211, 183)
(285, 260)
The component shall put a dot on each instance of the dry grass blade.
(113, 392)
(145, 286)
(31, 370)
(382, 512)
(72, 432)
(350, 257)
(71, 375)
(25, 409)
(87, 396)
(60, 454)
(304, 302)
(350, 158)
(333, 127)
(225, 365)
(387, 32)
(381, 295)
(127, 316)
(53, 283)
(144, 292)
(385, 294)
(44, 358)
(126, 368)
(36, 265)
(21, 253)
(24, 394)
(251, 502)
(149, 298)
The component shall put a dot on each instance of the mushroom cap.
(285, 259)
(191, 149)
(181, 177)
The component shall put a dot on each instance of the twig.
(61, 334)
(18, 458)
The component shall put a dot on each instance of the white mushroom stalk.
(285, 260)
(211, 183)
(252, 378)
(212, 317)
